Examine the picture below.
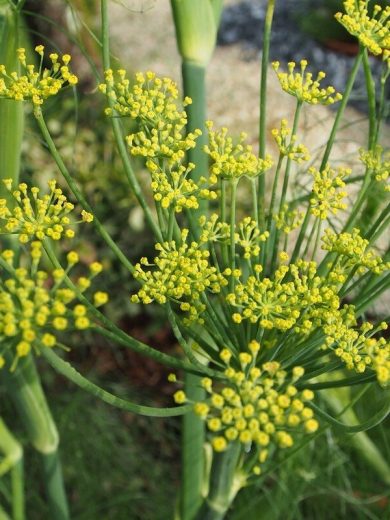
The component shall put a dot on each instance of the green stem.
(25, 390)
(194, 86)
(225, 482)
(233, 191)
(192, 452)
(68, 371)
(79, 196)
(13, 462)
(18, 500)
(263, 97)
(58, 505)
(114, 332)
(340, 111)
(116, 126)
(371, 98)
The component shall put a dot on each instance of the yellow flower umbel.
(183, 274)
(357, 347)
(288, 219)
(372, 32)
(286, 144)
(327, 192)
(232, 161)
(249, 237)
(378, 163)
(35, 306)
(36, 85)
(33, 217)
(172, 186)
(153, 103)
(257, 406)
(302, 86)
(354, 252)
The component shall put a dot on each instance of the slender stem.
(370, 88)
(340, 111)
(263, 98)
(114, 332)
(68, 371)
(286, 180)
(79, 196)
(301, 236)
(233, 191)
(18, 500)
(55, 490)
(116, 126)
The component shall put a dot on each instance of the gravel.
(243, 23)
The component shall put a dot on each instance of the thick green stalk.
(338, 400)
(25, 390)
(12, 461)
(11, 112)
(225, 482)
(55, 490)
(194, 86)
(196, 25)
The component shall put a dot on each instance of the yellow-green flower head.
(288, 219)
(354, 251)
(373, 31)
(153, 103)
(36, 306)
(181, 274)
(327, 192)
(378, 163)
(172, 186)
(257, 406)
(286, 144)
(357, 347)
(36, 85)
(32, 217)
(302, 85)
(230, 160)
(212, 230)
(249, 237)
(294, 299)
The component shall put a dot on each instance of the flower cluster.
(293, 299)
(153, 103)
(357, 348)
(34, 217)
(183, 273)
(232, 161)
(302, 86)
(286, 144)
(354, 251)
(372, 32)
(257, 406)
(327, 191)
(249, 237)
(378, 164)
(174, 187)
(213, 230)
(288, 219)
(36, 85)
(35, 306)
